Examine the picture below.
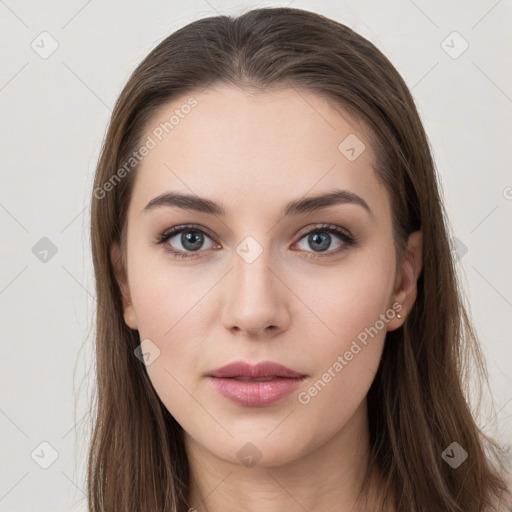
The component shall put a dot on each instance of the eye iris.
(193, 237)
(319, 241)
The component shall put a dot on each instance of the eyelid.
(321, 226)
(183, 227)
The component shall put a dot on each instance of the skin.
(252, 153)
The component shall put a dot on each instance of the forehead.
(261, 146)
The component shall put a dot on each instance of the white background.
(54, 114)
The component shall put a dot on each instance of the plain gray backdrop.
(63, 66)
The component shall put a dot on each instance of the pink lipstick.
(255, 386)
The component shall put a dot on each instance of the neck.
(327, 478)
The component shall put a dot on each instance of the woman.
(279, 324)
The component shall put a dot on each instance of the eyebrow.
(296, 207)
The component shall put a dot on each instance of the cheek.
(346, 300)
(346, 337)
(170, 304)
(163, 294)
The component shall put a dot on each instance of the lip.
(261, 370)
(263, 384)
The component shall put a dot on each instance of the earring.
(398, 315)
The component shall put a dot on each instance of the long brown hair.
(416, 405)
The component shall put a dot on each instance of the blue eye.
(320, 239)
(192, 239)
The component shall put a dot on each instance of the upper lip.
(260, 370)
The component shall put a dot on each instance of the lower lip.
(254, 393)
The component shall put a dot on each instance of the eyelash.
(324, 228)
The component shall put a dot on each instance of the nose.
(256, 298)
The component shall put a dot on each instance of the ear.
(407, 277)
(130, 317)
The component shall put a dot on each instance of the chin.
(260, 447)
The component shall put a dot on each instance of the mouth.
(264, 370)
(255, 386)
(261, 379)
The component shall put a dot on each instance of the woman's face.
(261, 281)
